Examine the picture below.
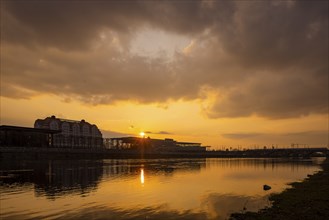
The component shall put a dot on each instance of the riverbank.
(305, 200)
(103, 153)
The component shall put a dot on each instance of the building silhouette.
(152, 145)
(26, 137)
(73, 134)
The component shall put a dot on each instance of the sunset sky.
(223, 73)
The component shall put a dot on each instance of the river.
(210, 188)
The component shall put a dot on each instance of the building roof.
(187, 143)
(62, 120)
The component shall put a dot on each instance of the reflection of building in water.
(54, 178)
(61, 177)
(150, 144)
(66, 176)
(72, 133)
(266, 163)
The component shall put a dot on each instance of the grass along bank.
(308, 199)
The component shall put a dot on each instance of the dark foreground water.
(143, 189)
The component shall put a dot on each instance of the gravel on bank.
(308, 199)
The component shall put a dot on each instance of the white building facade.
(74, 134)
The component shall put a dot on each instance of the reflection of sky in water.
(135, 189)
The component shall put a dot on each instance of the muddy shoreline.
(308, 199)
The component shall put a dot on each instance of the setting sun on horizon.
(142, 134)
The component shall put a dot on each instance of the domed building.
(73, 134)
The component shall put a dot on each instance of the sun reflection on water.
(142, 176)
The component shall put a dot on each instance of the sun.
(142, 134)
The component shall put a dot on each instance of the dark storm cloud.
(277, 34)
(66, 24)
(266, 58)
(74, 24)
(275, 96)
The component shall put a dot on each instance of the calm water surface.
(143, 189)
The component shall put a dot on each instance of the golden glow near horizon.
(181, 120)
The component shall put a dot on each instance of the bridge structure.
(277, 152)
